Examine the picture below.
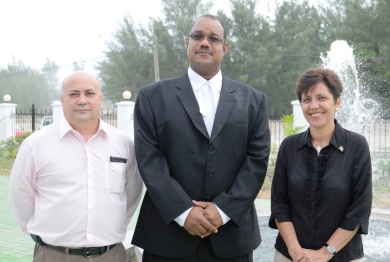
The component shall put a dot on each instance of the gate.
(32, 119)
(28, 120)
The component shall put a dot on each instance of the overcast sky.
(64, 31)
(72, 30)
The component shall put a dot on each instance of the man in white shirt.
(75, 184)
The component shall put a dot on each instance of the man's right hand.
(197, 225)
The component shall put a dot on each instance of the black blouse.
(319, 194)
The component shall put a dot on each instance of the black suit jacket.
(179, 163)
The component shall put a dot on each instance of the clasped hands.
(309, 255)
(203, 219)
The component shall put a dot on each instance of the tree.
(26, 86)
(129, 60)
(172, 32)
(297, 39)
(268, 54)
(251, 56)
(364, 25)
(50, 71)
(128, 63)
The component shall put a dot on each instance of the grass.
(5, 166)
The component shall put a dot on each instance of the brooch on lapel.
(341, 148)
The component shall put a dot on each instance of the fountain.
(357, 111)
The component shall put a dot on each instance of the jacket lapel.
(188, 100)
(225, 106)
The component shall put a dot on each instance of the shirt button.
(208, 199)
(211, 148)
(211, 173)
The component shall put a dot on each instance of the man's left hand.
(210, 212)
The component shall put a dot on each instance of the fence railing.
(28, 120)
(109, 115)
(377, 135)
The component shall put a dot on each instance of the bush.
(381, 172)
(9, 148)
(289, 128)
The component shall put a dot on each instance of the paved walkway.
(15, 246)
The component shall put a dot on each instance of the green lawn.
(5, 166)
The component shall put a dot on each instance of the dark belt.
(85, 252)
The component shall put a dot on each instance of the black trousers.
(203, 253)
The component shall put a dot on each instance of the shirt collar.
(197, 81)
(65, 127)
(337, 140)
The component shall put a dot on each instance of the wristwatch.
(331, 249)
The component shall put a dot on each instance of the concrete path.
(14, 245)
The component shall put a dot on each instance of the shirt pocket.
(116, 177)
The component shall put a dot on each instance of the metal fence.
(109, 116)
(30, 120)
(377, 135)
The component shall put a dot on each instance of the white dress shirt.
(68, 191)
(197, 82)
(215, 83)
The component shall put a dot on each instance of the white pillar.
(299, 119)
(57, 111)
(7, 124)
(125, 120)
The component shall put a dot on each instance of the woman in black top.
(321, 191)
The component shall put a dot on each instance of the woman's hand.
(320, 255)
(297, 254)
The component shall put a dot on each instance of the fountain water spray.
(357, 112)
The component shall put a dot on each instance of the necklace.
(318, 148)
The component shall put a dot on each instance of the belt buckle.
(93, 251)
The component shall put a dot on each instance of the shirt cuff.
(224, 217)
(182, 218)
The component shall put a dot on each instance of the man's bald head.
(78, 73)
(81, 100)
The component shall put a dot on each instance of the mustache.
(203, 49)
(82, 108)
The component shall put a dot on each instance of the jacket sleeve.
(167, 194)
(236, 202)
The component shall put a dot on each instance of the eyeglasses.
(211, 39)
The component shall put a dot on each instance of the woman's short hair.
(311, 77)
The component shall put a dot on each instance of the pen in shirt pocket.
(118, 159)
